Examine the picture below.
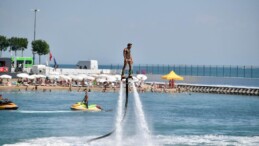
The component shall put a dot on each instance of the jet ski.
(8, 105)
(81, 106)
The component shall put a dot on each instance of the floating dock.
(219, 89)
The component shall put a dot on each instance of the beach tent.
(172, 76)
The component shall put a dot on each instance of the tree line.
(15, 44)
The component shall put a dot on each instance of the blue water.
(188, 70)
(174, 119)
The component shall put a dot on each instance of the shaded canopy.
(172, 76)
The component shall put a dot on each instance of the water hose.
(125, 111)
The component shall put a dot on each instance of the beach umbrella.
(40, 76)
(172, 76)
(78, 78)
(5, 77)
(111, 79)
(101, 80)
(89, 78)
(54, 73)
(82, 75)
(72, 76)
(142, 77)
(118, 77)
(135, 79)
(94, 75)
(22, 75)
(31, 77)
(64, 77)
(52, 77)
(103, 76)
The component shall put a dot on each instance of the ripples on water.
(174, 119)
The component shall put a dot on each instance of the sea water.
(175, 119)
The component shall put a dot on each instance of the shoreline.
(187, 88)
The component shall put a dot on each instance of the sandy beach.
(96, 88)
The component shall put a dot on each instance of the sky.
(192, 32)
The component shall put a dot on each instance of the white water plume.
(141, 120)
(118, 125)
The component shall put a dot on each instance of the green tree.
(4, 44)
(41, 47)
(17, 44)
(14, 44)
(23, 44)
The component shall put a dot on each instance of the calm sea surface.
(174, 119)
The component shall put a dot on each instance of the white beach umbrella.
(72, 76)
(94, 75)
(82, 75)
(103, 76)
(54, 73)
(5, 77)
(89, 78)
(79, 78)
(111, 79)
(40, 76)
(101, 80)
(22, 75)
(64, 77)
(118, 77)
(31, 77)
(52, 77)
(142, 77)
(135, 79)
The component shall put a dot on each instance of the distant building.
(92, 64)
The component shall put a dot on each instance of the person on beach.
(127, 60)
(85, 101)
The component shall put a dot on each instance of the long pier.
(219, 89)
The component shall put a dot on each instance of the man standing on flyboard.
(127, 60)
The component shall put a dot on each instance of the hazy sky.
(222, 32)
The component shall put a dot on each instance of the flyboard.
(126, 81)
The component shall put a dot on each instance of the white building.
(92, 64)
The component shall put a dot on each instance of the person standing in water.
(127, 60)
(85, 101)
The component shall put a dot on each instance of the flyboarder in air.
(127, 60)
